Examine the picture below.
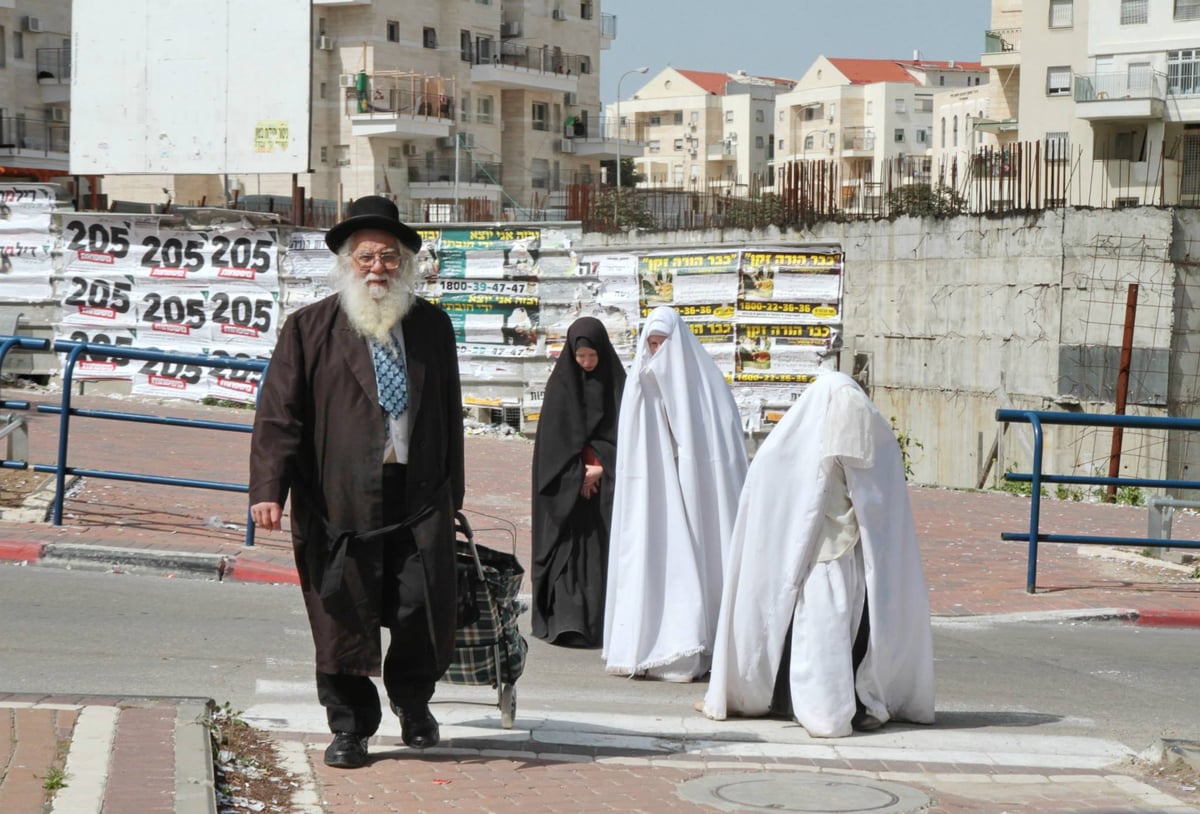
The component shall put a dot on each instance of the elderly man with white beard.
(360, 422)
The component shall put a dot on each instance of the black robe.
(570, 532)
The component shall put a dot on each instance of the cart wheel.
(508, 705)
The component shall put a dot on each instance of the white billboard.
(188, 87)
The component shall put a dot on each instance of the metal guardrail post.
(16, 435)
(1035, 508)
(60, 470)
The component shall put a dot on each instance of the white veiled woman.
(681, 460)
(824, 537)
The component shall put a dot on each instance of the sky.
(781, 38)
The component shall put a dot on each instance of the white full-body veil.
(773, 577)
(681, 460)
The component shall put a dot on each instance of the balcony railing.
(442, 171)
(34, 136)
(54, 63)
(543, 59)
(608, 26)
(405, 95)
(1120, 85)
(1002, 41)
(853, 138)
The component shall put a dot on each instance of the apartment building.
(866, 115)
(35, 89)
(459, 109)
(701, 130)
(1107, 90)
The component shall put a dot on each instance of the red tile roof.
(866, 71)
(714, 83)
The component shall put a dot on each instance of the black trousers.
(351, 701)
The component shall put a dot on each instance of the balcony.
(1113, 96)
(30, 144)
(401, 105)
(595, 136)
(857, 141)
(54, 74)
(435, 179)
(608, 30)
(1001, 48)
(526, 67)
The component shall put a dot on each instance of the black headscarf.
(580, 408)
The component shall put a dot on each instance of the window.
(341, 155)
(923, 104)
(954, 132)
(678, 117)
(540, 114)
(781, 145)
(654, 121)
(585, 11)
(1058, 81)
(694, 117)
(728, 115)
(321, 26)
(585, 65)
(808, 142)
(1140, 78)
(483, 110)
(943, 131)
(393, 31)
(1062, 13)
(464, 45)
(3, 56)
(323, 92)
(1057, 145)
(1123, 145)
(760, 115)
(870, 108)
(1183, 71)
(429, 37)
(898, 136)
(654, 146)
(901, 106)
(324, 155)
(18, 45)
(395, 157)
(758, 142)
(942, 80)
(464, 104)
(832, 110)
(922, 135)
(1134, 12)
(1187, 9)
(539, 173)
(678, 144)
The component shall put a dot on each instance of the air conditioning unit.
(566, 146)
(559, 14)
(58, 114)
(325, 43)
(411, 150)
(570, 98)
(510, 29)
(32, 24)
(347, 80)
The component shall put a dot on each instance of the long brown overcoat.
(319, 434)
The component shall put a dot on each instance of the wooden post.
(1114, 458)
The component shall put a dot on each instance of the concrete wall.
(955, 319)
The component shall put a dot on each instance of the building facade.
(459, 109)
(866, 116)
(35, 87)
(701, 130)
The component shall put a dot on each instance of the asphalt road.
(247, 644)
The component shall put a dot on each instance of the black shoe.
(418, 727)
(348, 751)
(864, 721)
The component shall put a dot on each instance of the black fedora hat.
(373, 212)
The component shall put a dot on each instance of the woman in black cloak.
(574, 461)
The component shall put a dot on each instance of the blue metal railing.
(65, 411)
(1036, 478)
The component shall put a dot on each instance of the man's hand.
(267, 515)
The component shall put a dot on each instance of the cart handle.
(462, 525)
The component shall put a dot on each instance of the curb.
(241, 569)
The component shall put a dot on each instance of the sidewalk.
(685, 765)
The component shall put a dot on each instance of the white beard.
(373, 314)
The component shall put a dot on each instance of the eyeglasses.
(389, 260)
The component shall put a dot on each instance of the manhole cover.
(805, 792)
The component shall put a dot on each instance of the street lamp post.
(617, 195)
